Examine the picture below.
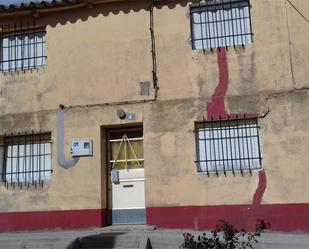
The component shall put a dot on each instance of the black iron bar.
(197, 148)
(22, 48)
(247, 143)
(207, 29)
(222, 13)
(215, 155)
(201, 26)
(1, 48)
(24, 159)
(241, 33)
(18, 157)
(236, 27)
(28, 46)
(239, 149)
(241, 128)
(232, 159)
(251, 144)
(231, 147)
(223, 36)
(222, 147)
(9, 49)
(217, 28)
(37, 171)
(44, 159)
(5, 161)
(205, 147)
(209, 33)
(35, 47)
(232, 24)
(39, 156)
(32, 157)
(226, 138)
(11, 147)
(249, 8)
(15, 45)
(192, 30)
(259, 147)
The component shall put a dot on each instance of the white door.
(127, 181)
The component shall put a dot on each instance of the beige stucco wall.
(101, 57)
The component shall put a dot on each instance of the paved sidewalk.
(131, 237)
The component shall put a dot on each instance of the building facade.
(177, 113)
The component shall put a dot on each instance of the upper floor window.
(22, 50)
(220, 24)
(228, 145)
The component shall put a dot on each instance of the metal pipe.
(62, 161)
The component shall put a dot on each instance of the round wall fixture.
(121, 114)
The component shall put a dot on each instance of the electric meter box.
(82, 148)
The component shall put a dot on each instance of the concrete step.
(112, 240)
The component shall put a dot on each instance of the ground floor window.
(228, 145)
(26, 158)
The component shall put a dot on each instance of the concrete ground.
(132, 237)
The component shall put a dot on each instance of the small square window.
(228, 145)
(22, 50)
(26, 158)
(220, 24)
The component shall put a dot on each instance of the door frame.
(108, 131)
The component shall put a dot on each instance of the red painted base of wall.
(282, 217)
(65, 219)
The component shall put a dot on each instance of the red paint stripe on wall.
(258, 195)
(64, 219)
(216, 108)
(282, 217)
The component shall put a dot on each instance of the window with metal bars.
(228, 145)
(220, 23)
(22, 49)
(26, 158)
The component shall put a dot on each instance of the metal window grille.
(26, 159)
(228, 145)
(220, 23)
(21, 48)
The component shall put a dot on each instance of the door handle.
(128, 186)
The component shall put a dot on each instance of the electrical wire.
(298, 11)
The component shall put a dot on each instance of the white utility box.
(82, 148)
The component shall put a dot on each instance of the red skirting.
(64, 219)
(282, 217)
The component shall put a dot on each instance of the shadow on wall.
(74, 13)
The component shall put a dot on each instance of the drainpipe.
(66, 164)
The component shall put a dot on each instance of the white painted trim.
(128, 208)
(128, 160)
(133, 180)
(126, 170)
(129, 139)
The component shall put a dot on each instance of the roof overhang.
(38, 7)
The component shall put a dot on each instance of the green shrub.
(230, 237)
